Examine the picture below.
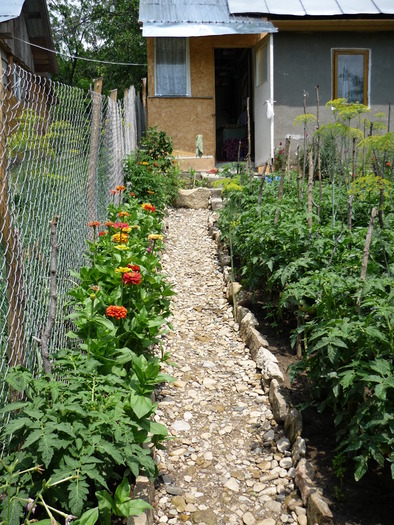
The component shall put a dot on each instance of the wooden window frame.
(365, 53)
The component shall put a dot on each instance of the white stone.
(249, 519)
(232, 484)
(283, 444)
(180, 425)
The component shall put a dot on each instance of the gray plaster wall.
(303, 60)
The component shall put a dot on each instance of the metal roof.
(36, 18)
(312, 7)
(10, 9)
(187, 18)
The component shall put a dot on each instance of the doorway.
(233, 86)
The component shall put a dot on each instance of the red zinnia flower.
(120, 225)
(101, 234)
(116, 311)
(134, 267)
(132, 278)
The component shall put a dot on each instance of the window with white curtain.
(172, 75)
(351, 74)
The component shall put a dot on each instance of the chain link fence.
(61, 152)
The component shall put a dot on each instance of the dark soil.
(367, 502)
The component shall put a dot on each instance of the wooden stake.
(310, 188)
(282, 177)
(44, 342)
(262, 183)
(367, 245)
(318, 142)
(349, 212)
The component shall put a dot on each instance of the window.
(172, 75)
(351, 70)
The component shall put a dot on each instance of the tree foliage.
(104, 32)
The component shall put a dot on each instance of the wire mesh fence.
(61, 152)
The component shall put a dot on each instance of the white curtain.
(351, 77)
(171, 66)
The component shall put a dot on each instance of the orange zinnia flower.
(93, 224)
(123, 214)
(120, 237)
(120, 188)
(119, 312)
(148, 207)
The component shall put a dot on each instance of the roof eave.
(187, 29)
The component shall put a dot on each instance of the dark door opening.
(233, 86)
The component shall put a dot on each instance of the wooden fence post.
(117, 175)
(13, 255)
(91, 192)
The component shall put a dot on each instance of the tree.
(95, 39)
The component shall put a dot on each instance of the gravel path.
(228, 462)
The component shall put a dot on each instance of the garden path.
(227, 462)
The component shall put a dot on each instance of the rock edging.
(318, 511)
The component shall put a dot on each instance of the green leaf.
(122, 497)
(382, 366)
(32, 438)
(111, 450)
(135, 507)
(13, 407)
(154, 427)
(78, 492)
(141, 405)
(89, 517)
(362, 467)
(16, 424)
(106, 506)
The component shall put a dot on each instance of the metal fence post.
(94, 150)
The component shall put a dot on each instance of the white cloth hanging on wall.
(270, 109)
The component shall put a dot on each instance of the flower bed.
(80, 436)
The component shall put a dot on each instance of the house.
(208, 59)
(25, 22)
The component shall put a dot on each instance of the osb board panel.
(183, 119)
(202, 62)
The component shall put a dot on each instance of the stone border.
(318, 511)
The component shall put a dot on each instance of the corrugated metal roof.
(196, 18)
(10, 9)
(312, 7)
